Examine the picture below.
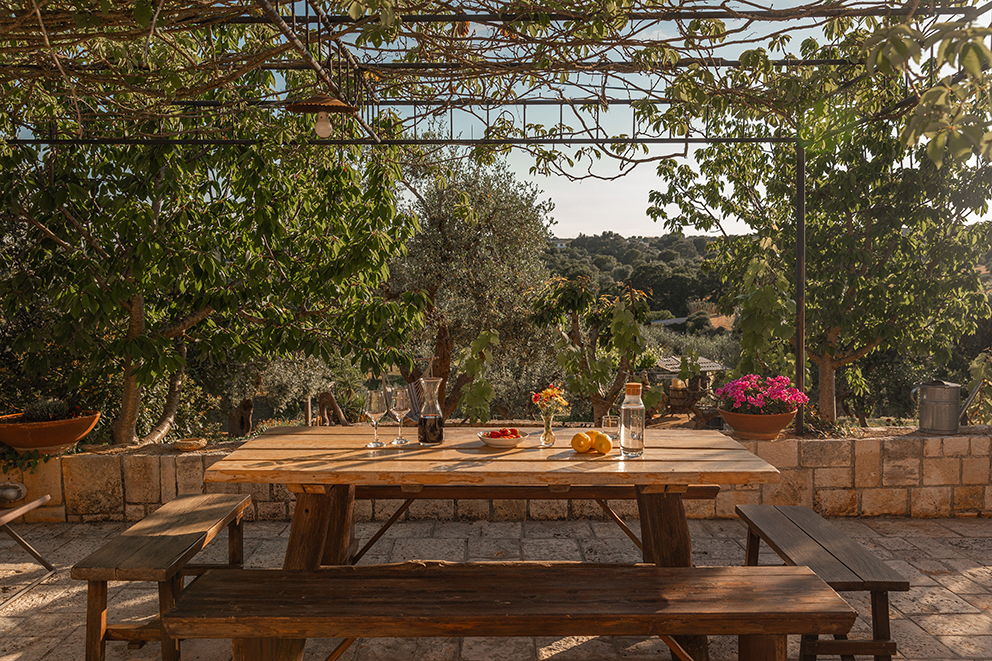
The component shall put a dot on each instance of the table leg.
(307, 538)
(665, 536)
(341, 526)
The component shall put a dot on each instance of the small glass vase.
(548, 436)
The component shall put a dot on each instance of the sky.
(594, 206)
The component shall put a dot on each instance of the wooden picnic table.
(324, 465)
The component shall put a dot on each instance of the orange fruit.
(601, 443)
(581, 443)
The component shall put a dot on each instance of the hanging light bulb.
(322, 105)
(323, 125)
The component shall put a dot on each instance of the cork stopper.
(633, 389)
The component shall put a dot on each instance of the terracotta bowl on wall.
(51, 437)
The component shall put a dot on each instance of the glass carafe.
(430, 426)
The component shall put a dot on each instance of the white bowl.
(501, 442)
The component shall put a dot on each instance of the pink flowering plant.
(752, 394)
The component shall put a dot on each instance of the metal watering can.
(940, 406)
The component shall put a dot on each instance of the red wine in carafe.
(430, 430)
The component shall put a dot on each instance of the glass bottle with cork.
(632, 420)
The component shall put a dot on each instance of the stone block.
(902, 448)
(931, 447)
(700, 509)
(385, 508)
(272, 512)
(901, 472)
(626, 509)
(221, 487)
(780, 454)
(12, 475)
(432, 510)
(929, 502)
(142, 479)
(96, 518)
(211, 459)
(867, 463)
(134, 512)
(473, 510)
(46, 515)
(46, 478)
(975, 470)
(957, 446)
(832, 478)
(93, 486)
(794, 488)
(363, 509)
(167, 470)
(884, 502)
(980, 446)
(837, 502)
(509, 510)
(943, 470)
(726, 501)
(547, 510)
(260, 493)
(987, 507)
(825, 453)
(585, 509)
(967, 498)
(189, 474)
(281, 493)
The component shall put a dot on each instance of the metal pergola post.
(800, 280)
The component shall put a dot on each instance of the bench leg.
(96, 620)
(762, 647)
(666, 543)
(753, 546)
(167, 593)
(880, 620)
(236, 542)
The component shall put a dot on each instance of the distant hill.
(668, 266)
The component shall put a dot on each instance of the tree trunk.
(327, 405)
(239, 420)
(164, 423)
(307, 412)
(828, 395)
(125, 425)
(600, 407)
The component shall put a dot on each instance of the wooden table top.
(337, 455)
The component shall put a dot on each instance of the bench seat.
(158, 548)
(439, 599)
(802, 537)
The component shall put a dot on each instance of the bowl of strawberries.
(502, 438)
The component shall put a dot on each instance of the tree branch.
(177, 328)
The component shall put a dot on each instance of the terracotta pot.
(51, 437)
(758, 427)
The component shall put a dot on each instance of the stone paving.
(946, 615)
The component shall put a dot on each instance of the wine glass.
(375, 408)
(399, 406)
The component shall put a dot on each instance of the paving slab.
(946, 616)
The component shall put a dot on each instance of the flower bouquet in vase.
(551, 401)
(759, 408)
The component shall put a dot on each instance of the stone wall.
(904, 474)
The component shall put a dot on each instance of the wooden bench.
(158, 548)
(440, 599)
(6, 516)
(802, 537)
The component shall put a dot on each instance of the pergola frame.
(346, 77)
